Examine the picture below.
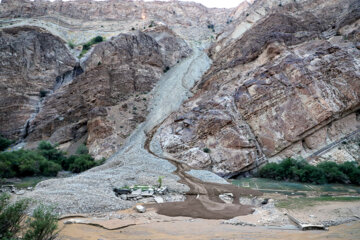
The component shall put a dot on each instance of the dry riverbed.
(267, 222)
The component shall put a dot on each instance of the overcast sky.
(215, 3)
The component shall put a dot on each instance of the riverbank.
(129, 224)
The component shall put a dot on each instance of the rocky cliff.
(30, 60)
(109, 99)
(188, 20)
(285, 82)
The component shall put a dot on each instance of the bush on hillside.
(11, 216)
(299, 170)
(51, 153)
(5, 143)
(46, 160)
(42, 225)
(333, 173)
(25, 163)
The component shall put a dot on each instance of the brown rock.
(30, 60)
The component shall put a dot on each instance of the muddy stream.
(202, 201)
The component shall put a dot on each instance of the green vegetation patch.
(86, 46)
(41, 226)
(294, 188)
(46, 160)
(5, 143)
(302, 202)
(301, 171)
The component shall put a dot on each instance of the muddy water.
(206, 229)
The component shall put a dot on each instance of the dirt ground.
(267, 223)
(205, 229)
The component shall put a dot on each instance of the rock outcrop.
(103, 105)
(189, 20)
(286, 84)
(30, 60)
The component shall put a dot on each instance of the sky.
(215, 3)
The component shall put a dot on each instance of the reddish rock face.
(274, 89)
(30, 61)
(109, 99)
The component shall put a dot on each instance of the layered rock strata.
(286, 85)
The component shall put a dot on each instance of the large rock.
(30, 60)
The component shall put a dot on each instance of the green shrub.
(270, 170)
(11, 216)
(42, 226)
(82, 163)
(352, 171)
(46, 160)
(206, 150)
(299, 170)
(25, 163)
(4, 143)
(71, 45)
(49, 169)
(86, 46)
(82, 149)
(51, 153)
(97, 39)
(332, 172)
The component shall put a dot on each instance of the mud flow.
(202, 200)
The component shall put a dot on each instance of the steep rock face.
(189, 20)
(30, 61)
(106, 102)
(273, 89)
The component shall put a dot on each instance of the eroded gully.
(202, 200)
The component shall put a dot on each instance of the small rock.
(140, 209)
(148, 193)
(227, 197)
(136, 192)
(158, 199)
(71, 221)
(162, 190)
(21, 192)
(123, 196)
(358, 45)
(29, 188)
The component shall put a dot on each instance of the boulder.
(140, 209)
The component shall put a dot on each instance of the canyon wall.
(285, 78)
(285, 82)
